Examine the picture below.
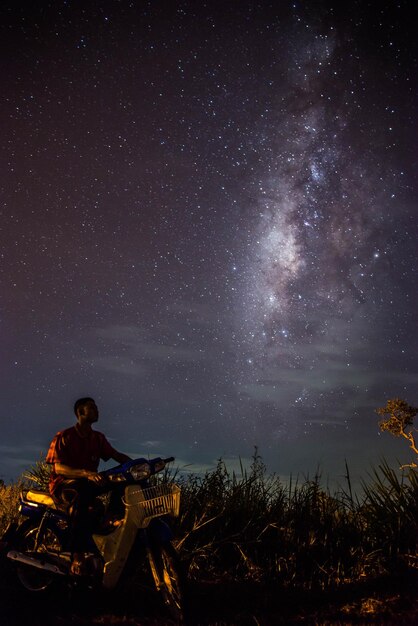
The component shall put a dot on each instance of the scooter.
(129, 515)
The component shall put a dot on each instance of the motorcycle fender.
(115, 549)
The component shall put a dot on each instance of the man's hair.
(81, 402)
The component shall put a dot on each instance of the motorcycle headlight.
(140, 472)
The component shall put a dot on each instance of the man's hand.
(95, 478)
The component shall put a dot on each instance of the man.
(75, 454)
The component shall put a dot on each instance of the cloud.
(328, 422)
(120, 365)
(16, 459)
(152, 444)
(130, 351)
(13, 450)
(126, 335)
(274, 394)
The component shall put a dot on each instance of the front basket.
(154, 502)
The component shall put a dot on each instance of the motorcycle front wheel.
(31, 543)
(168, 578)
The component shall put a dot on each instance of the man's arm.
(71, 472)
(119, 457)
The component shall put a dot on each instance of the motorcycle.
(130, 514)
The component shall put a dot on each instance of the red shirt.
(69, 448)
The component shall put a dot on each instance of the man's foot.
(78, 565)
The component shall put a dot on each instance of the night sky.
(209, 224)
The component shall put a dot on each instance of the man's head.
(86, 410)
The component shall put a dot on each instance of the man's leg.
(78, 494)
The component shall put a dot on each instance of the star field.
(208, 222)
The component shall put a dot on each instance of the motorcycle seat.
(40, 497)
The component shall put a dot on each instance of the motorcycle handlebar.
(154, 462)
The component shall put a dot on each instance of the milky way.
(208, 223)
(320, 273)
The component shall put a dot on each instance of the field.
(261, 552)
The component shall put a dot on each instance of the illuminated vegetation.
(398, 419)
(253, 529)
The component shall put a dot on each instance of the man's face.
(89, 412)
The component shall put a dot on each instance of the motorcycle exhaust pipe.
(29, 560)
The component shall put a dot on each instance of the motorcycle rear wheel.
(169, 578)
(32, 578)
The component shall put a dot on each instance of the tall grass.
(256, 527)
(390, 513)
(9, 500)
(252, 526)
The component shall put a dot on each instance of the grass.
(289, 541)
(9, 501)
(254, 527)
